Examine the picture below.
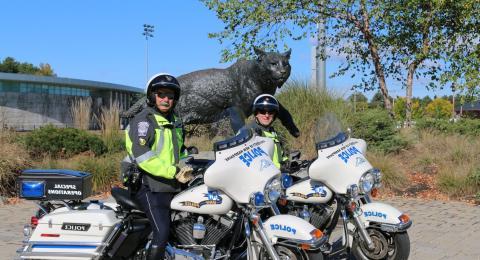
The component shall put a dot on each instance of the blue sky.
(102, 41)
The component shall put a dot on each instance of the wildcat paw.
(295, 133)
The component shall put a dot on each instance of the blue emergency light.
(32, 189)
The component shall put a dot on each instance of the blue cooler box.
(54, 184)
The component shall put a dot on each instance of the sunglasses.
(264, 112)
(166, 94)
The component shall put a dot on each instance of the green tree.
(10, 65)
(380, 39)
(377, 100)
(357, 97)
(439, 108)
(46, 70)
(27, 68)
(400, 109)
(420, 31)
(352, 29)
(462, 72)
(425, 101)
(359, 101)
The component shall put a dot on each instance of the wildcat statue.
(206, 94)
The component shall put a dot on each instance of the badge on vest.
(143, 128)
(142, 141)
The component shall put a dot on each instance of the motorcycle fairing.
(309, 191)
(202, 200)
(242, 169)
(341, 165)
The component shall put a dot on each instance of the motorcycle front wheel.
(391, 246)
(284, 253)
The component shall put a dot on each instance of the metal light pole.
(318, 64)
(147, 32)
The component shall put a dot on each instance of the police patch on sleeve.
(142, 128)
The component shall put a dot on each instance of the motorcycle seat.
(124, 199)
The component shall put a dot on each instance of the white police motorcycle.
(340, 183)
(219, 218)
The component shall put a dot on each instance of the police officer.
(265, 110)
(154, 140)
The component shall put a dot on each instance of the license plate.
(75, 226)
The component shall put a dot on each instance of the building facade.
(471, 109)
(28, 102)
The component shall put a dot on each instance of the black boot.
(156, 253)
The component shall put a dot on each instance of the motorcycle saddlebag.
(54, 184)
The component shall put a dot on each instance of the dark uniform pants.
(157, 207)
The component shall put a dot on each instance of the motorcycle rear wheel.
(391, 246)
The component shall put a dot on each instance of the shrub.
(307, 104)
(456, 167)
(13, 159)
(439, 108)
(81, 113)
(400, 109)
(377, 128)
(393, 175)
(105, 169)
(110, 128)
(62, 142)
(462, 126)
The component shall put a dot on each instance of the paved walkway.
(441, 230)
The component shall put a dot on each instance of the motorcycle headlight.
(273, 190)
(366, 183)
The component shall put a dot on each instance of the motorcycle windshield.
(341, 160)
(328, 131)
(242, 163)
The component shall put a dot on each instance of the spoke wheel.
(380, 243)
(391, 246)
(285, 253)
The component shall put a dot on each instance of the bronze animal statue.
(206, 94)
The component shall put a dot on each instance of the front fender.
(288, 226)
(385, 215)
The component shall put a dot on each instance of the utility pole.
(318, 63)
(453, 100)
(355, 101)
(147, 32)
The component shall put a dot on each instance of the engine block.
(215, 230)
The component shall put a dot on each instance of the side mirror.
(295, 155)
(192, 150)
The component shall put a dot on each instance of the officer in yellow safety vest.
(265, 110)
(154, 142)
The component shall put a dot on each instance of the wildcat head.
(274, 67)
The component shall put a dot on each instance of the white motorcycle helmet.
(161, 80)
